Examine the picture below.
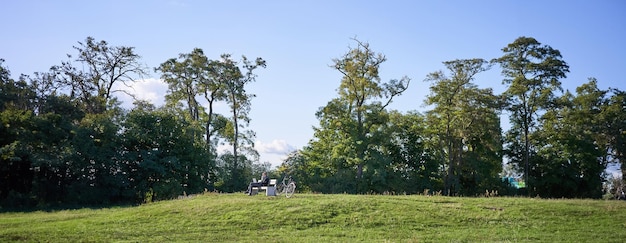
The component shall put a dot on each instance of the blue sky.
(299, 39)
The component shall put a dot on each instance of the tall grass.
(328, 218)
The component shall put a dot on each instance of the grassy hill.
(328, 218)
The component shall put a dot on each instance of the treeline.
(559, 143)
(66, 139)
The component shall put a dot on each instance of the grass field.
(327, 218)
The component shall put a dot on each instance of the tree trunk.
(235, 139)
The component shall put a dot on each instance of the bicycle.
(287, 187)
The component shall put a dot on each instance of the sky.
(299, 40)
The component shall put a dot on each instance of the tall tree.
(102, 68)
(464, 120)
(214, 90)
(183, 76)
(363, 92)
(192, 75)
(239, 101)
(351, 138)
(532, 72)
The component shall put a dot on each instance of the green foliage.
(413, 168)
(465, 128)
(65, 140)
(614, 116)
(350, 142)
(532, 72)
(184, 76)
(163, 156)
(81, 149)
(572, 144)
(193, 75)
(15, 166)
(231, 178)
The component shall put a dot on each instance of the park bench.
(270, 189)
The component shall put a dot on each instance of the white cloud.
(277, 146)
(223, 148)
(151, 89)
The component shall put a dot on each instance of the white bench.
(270, 189)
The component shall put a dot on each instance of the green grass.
(328, 218)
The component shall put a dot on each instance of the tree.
(190, 76)
(193, 75)
(352, 125)
(239, 101)
(214, 90)
(183, 76)
(5, 74)
(94, 175)
(465, 121)
(36, 143)
(103, 67)
(295, 165)
(360, 88)
(532, 72)
(16, 94)
(328, 154)
(572, 145)
(615, 123)
(161, 156)
(16, 131)
(413, 168)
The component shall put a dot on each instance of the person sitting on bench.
(263, 182)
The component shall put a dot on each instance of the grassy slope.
(315, 218)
